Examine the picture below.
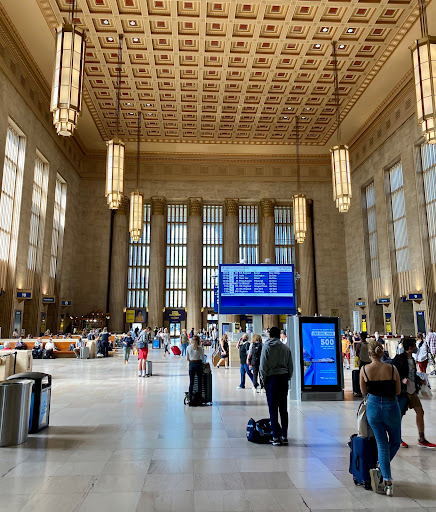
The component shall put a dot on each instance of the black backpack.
(259, 432)
(256, 351)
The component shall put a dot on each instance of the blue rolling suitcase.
(156, 343)
(363, 457)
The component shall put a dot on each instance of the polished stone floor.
(117, 443)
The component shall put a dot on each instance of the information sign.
(256, 289)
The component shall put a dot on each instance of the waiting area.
(116, 442)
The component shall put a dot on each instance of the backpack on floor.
(259, 432)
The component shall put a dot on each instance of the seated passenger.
(50, 347)
(6, 345)
(20, 345)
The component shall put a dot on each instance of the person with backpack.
(142, 345)
(253, 359)
(127, 346)
(244, 346)
(410, 385)
(276, 368)
(362, 350)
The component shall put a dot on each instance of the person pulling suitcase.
(195, 356)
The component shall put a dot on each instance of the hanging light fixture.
(136, 199)
(115, 149)
(424, 70)
(299, 200)
(341, 175)
(67, 84)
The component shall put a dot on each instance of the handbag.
(356, 362)
(363, 427)
(425, 390)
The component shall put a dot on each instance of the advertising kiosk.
(315, 343)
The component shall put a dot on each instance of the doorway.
(175, 329)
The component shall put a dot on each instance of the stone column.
(231, 238)
(306, 270)
(119, 267)
(268, 246)
(156, 289)
(194, 291)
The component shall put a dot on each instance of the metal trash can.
(14, 411)
(40, 400)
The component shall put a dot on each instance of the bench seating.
(62, 345)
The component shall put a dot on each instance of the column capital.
(195, 206)
(267, 207)
(231, 207)
(158, 205)
(124, 205)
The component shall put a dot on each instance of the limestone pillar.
(156, 289)
(268, 247)
(231, 238)
(194, 291)
(119, 267)
(306, 269)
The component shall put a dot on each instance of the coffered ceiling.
(232, 71)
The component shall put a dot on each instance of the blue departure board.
(256, 289)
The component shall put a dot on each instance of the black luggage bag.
(355, 376)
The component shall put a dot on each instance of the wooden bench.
(62, 345)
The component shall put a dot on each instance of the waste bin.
(14, 411)
(40, 400)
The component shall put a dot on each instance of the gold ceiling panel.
(232, 71)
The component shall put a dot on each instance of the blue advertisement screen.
(319, 354)
(256, 289)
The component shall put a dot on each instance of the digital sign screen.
(320, 353)
(256, 289)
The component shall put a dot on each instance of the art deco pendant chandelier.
(341, 175)
(116, 149)
(136, 199)
(299, 200)
(67, 85)
(424, 71)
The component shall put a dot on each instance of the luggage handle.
(357, 463)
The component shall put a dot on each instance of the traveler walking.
(184, 342)
(410, 385)
(422, 354)
(381, 383)
(195, 356)
(166, 341)
(127, 346)
(244, 347)
(224, 352)
(276, 368)
(142, 345)
(253, 358)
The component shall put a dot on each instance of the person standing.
(142, 346)
(410, 384)
(127, 346)
(362, 350)
(422, 354)
(80, 343)
(184, 342)
(104, 342)
(215, 338)
(276, 368)
(195, 356)
(431, 343)
(224, 352)
(244, 346)
(381, 383)
(253, 358)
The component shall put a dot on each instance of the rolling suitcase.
(355, 376)
(149, 368)
(363, 457)
(156, 343)
(206, 386)
(84, 352)
(216, 357)
(175, 350)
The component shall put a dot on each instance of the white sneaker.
(239, 387)
(139, 374)
(389, 490)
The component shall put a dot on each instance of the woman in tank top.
(381, 383)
